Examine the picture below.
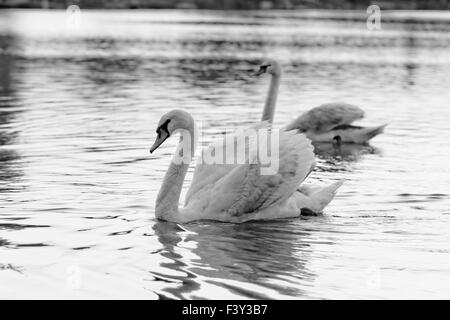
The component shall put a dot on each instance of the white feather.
(242, 193)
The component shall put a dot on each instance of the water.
(78, 112)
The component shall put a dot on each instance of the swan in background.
(330, 122)
(237, 193)
(273, 68)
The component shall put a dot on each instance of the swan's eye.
(163, 127)
(263, 68)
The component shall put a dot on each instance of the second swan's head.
(170, 123)
(269, 66)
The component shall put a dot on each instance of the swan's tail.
(322, 197)
(370, 132)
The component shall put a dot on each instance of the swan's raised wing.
(245, 190)
(325, 117)
(207, 174)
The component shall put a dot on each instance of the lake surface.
(78, 112)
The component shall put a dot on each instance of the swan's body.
(237, 193)
(324, 123)
(328, 121)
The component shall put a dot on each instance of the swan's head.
(269, 66)
(170, 123)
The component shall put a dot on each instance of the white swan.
(236, 193)
(330, 122)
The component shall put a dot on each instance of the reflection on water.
(78, 112)
(239, 258)
(343, 152)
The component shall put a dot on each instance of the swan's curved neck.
(169, 194)
(271, 99)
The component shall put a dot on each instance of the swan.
(329, 122)
(236, 193)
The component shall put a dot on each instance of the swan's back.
(326, 117)
(244, 190)
(207, 174)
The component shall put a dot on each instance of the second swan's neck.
(169, 194)
(271, 99)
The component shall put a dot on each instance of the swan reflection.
(236, 259)
(343, 152)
